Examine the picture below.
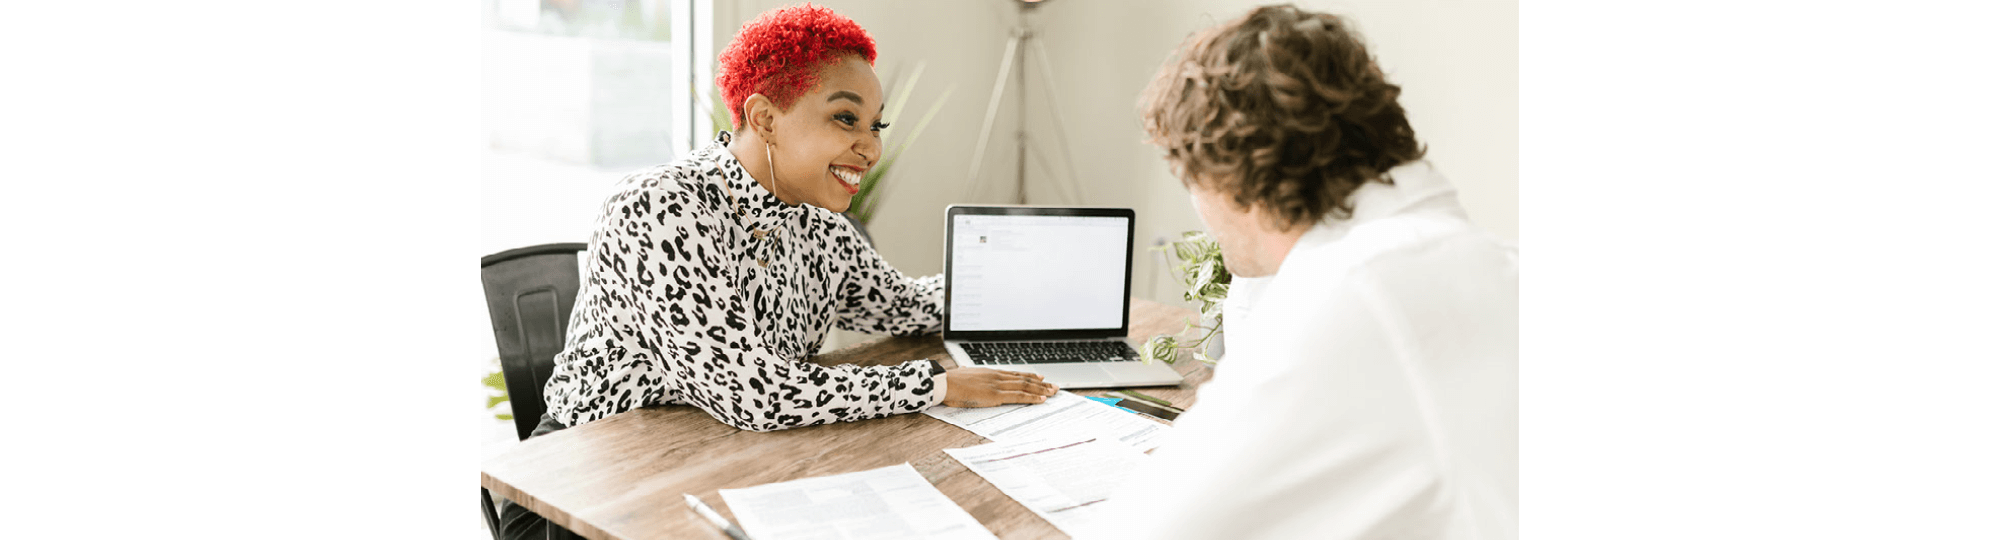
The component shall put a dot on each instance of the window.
(604, 83)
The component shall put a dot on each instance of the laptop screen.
(1037, 272)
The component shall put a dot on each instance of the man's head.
(1272, 121)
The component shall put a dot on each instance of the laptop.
(1044, 290)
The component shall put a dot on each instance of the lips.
(849, 178)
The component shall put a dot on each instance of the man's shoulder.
(1424, 238)
(1405, 268)
(1431, 247)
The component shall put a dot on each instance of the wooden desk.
(622, 477)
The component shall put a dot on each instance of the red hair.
(779, 54)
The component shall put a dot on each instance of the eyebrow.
(856, 98)
(843, 94)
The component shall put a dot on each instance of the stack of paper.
(1065, 416)
(1061, 480)
(890, 502)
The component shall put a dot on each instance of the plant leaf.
(1207, 279)
(1160, 348)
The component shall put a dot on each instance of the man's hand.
(981, 387)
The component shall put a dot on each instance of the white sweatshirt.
(1368, 389)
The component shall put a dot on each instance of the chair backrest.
(858, 227)
(529, 293)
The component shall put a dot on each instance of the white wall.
(1456, 62)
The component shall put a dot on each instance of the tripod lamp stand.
(1021, 41)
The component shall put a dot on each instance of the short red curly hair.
(780, 53)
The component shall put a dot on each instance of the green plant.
(1206, 278)
(496, 391)
(869, 198)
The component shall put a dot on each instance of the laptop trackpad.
(1066, 375)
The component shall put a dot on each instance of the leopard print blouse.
(687, 301)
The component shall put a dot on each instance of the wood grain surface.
(622, 477)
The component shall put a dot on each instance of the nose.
(869, 148)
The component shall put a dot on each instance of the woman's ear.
(760, 115)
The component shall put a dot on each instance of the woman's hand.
(981, 387)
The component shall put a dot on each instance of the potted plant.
(1206, 279)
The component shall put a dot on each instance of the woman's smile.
(850, 178)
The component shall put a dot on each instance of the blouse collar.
(761, 209)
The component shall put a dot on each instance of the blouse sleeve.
(672, 326)
(878, 299)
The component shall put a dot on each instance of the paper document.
(1062, 480)
(890, 502)
(1065, 416)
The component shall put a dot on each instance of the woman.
(711, 279)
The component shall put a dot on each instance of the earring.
(772, 165)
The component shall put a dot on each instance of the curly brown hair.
(1284, 109)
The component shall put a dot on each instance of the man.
(1369, 388)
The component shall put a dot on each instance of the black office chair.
(529, 294)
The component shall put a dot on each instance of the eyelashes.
(850, 120)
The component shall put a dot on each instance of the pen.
(1163, 413)
(712, 517)
(1136, 394)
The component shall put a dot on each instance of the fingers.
(1037, 377)
(1029, 386)
(1011, 396)
(997, 398)
(1032, 383)
(1005, 373)
(1036, 385)
(996, 395)
(981, 387)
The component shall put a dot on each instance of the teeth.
(845, 175)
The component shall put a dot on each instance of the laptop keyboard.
(1048, 352)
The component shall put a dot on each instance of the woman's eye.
(879, 126)
(845, 118)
